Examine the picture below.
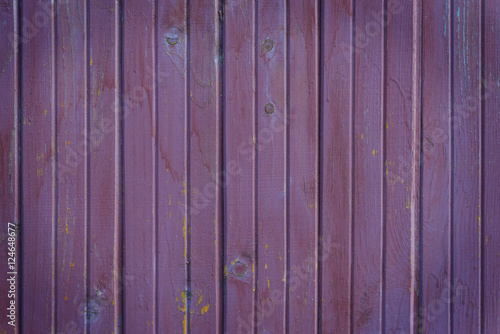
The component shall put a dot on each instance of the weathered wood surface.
(251, 166)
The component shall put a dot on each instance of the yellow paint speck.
(183, 309)
(361, 135)
(205, 309)
(374, 152)
(65, 297)
(184, 233)
(90, 61)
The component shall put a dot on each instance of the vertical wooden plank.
(416, 165)
(435, 196)
(466, 167)
(203, 166)
(9, 168)
(490, 206)
(139, 168)
(271, 188)
(241, 140)
(71, 184)
(303, 167)
(103, 301)
(336, 166)
(398, 172)
(172, 176)
(368, 289)
(38, 157)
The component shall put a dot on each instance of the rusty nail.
(269, 108)
(267, 45)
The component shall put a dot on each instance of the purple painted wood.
(103, 250)
(435, 183)
(368, 220)
(489, 100)
(139, 182)
(271, 167)
(241, 145)
(302, 170)
(9, 165)
(397, 169)
(466, 164)
(336, 166)
(71, 193)
(251, 166)
(38, 169)
(171, 163)
(204, 163)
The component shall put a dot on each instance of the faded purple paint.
(232, 167)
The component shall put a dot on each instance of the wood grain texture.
(9, 160)
(104, 283)
(271, 167)
(466, 167)
(436, 167)
(241, 144)
(302, 155)
(72, 187)
(398, 169)
(139, 171)
(276, 166)
(39, 169)
(368, 220)
(336, 166)
(489, 99)
(204, 131)
(170, 75)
